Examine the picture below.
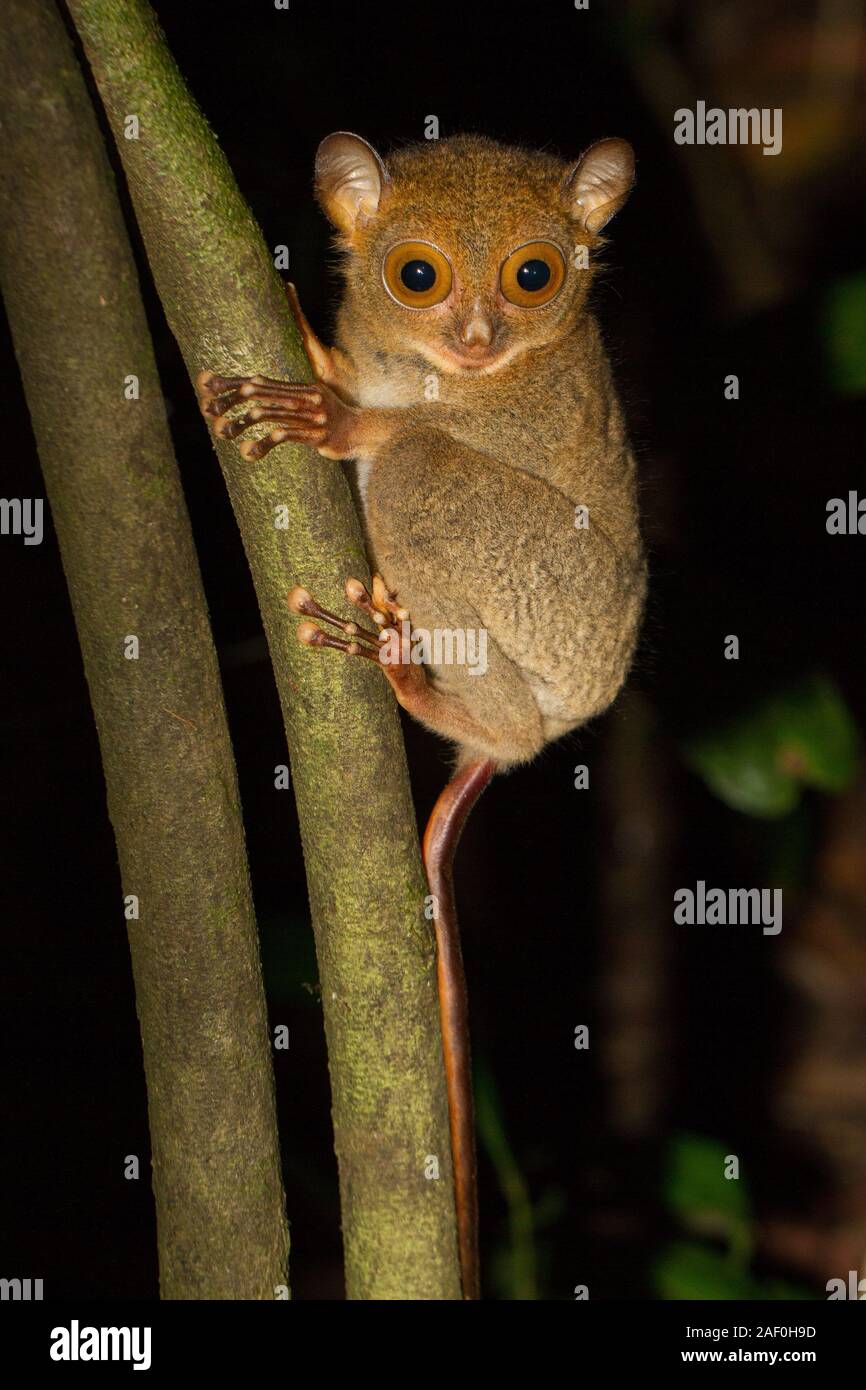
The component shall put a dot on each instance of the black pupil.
(533, 275)
(418, 276)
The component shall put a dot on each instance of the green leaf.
(695, 1186)
(777, 1288)
(816, 735)
(688, 1270)
(738, 766)
(758, 764)
(516, 1267)
(843, 325)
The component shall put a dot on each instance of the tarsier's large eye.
(533, 274)
(417, 275)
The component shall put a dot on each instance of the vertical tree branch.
(226, 307)
(71, 292)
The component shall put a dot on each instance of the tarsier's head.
(466, 252)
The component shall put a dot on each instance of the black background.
(734, 499)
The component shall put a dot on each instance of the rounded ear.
(349, 179)
(599, 183)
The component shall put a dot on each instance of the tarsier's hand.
(302, 414)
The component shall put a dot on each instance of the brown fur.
(469, 501)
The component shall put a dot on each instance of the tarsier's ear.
(599, 183)
(350, 177)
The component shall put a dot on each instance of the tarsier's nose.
(477, 329)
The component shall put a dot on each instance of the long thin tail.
(444, 828)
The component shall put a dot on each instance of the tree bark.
(79, 328)
(226, 307)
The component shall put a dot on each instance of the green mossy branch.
(79, 328)
(226, 307)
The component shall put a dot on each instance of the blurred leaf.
(688, 1270)
(805, 736)
(515, 1267)
(704, 1200)
(818, 738)
(777, 1288)
(695, 1186)
(843, 325)
(738, 767)
(550, 1207)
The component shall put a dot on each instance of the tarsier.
(470, 386)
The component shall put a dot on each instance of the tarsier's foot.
(357, 640)
(389, 644)
(406, 677)
(380, 606)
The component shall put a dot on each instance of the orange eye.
(533, 274)
(416, 275)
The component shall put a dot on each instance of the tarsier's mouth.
(452, 359)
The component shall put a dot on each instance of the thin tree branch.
(227, 309)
